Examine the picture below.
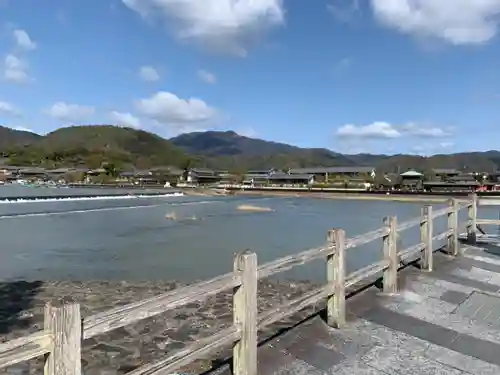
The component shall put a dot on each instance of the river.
(131, 238)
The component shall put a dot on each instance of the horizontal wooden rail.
(366, 272)
(488, 221)
(409, 251)
(441, 236)
(127, 314)
(62, 334)
(291, 307)
(192, 352)
(441, 212)
(488, 201)
(25, 348)
(291, 261)
(409, 224)
(367, 237)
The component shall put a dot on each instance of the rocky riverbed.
(124, 349)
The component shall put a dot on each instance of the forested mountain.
(125, 147)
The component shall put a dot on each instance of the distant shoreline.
(350, 195)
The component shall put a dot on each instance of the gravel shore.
(124, 349)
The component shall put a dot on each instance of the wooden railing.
(488, 202)
(64, 332)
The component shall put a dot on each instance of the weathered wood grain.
(292, 306)
(123, 315)
(196, 350)
(335, 305)
(25, 348)
(366, 272)
(390, 255)
(245, 315)
(426, 228)
(488, 222)
(409, 224)
(294, 260)
(441, 236)
(367, 237)
(63, 321)
(409, 251)
(452, 246)
(472, 219)
(491, 201)
(441, 212)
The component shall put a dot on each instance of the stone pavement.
(443, 322)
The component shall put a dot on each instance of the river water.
(131, 238)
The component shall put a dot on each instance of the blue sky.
(383, 76)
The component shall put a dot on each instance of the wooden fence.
(60, 340)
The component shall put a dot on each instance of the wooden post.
(62, 319)
(472, 219)
(336, 278)
(391, 255)
(245, 314)
(426, 238)
(453, 227)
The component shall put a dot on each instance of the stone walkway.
(443, 322)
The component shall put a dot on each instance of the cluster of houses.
(362, 177)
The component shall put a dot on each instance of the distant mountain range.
(93, 145)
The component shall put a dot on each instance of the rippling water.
(131, 238)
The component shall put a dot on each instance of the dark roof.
(318, 170)
(285, 176)
(450, 184)
(10, 168)
(127, 174)
(60, 170)
(173, 171)
(262, 172)
(462, 177)
(32, 171)
(256, 175)
(203, 172)
(446, 171)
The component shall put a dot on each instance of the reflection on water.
(182, 238)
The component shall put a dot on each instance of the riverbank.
(353, 196)
(124, 349)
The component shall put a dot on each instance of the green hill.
(97, 144)
(91, 146)
(12, 137)
(229, 150)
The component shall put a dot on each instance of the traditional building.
(291, 179)
(326, 174)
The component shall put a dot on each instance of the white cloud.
(207, 76)
(248, 132)
(148, 73)
(381, 129)
(425, 132)
(344, 10)
(378, 129)
(70, 112)
(15, 69)
(454, 21)
(168, 109)
(8, 109)
(125, 119)
(22, 129)
(446, 144)
(23, 40)
(224, 25)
